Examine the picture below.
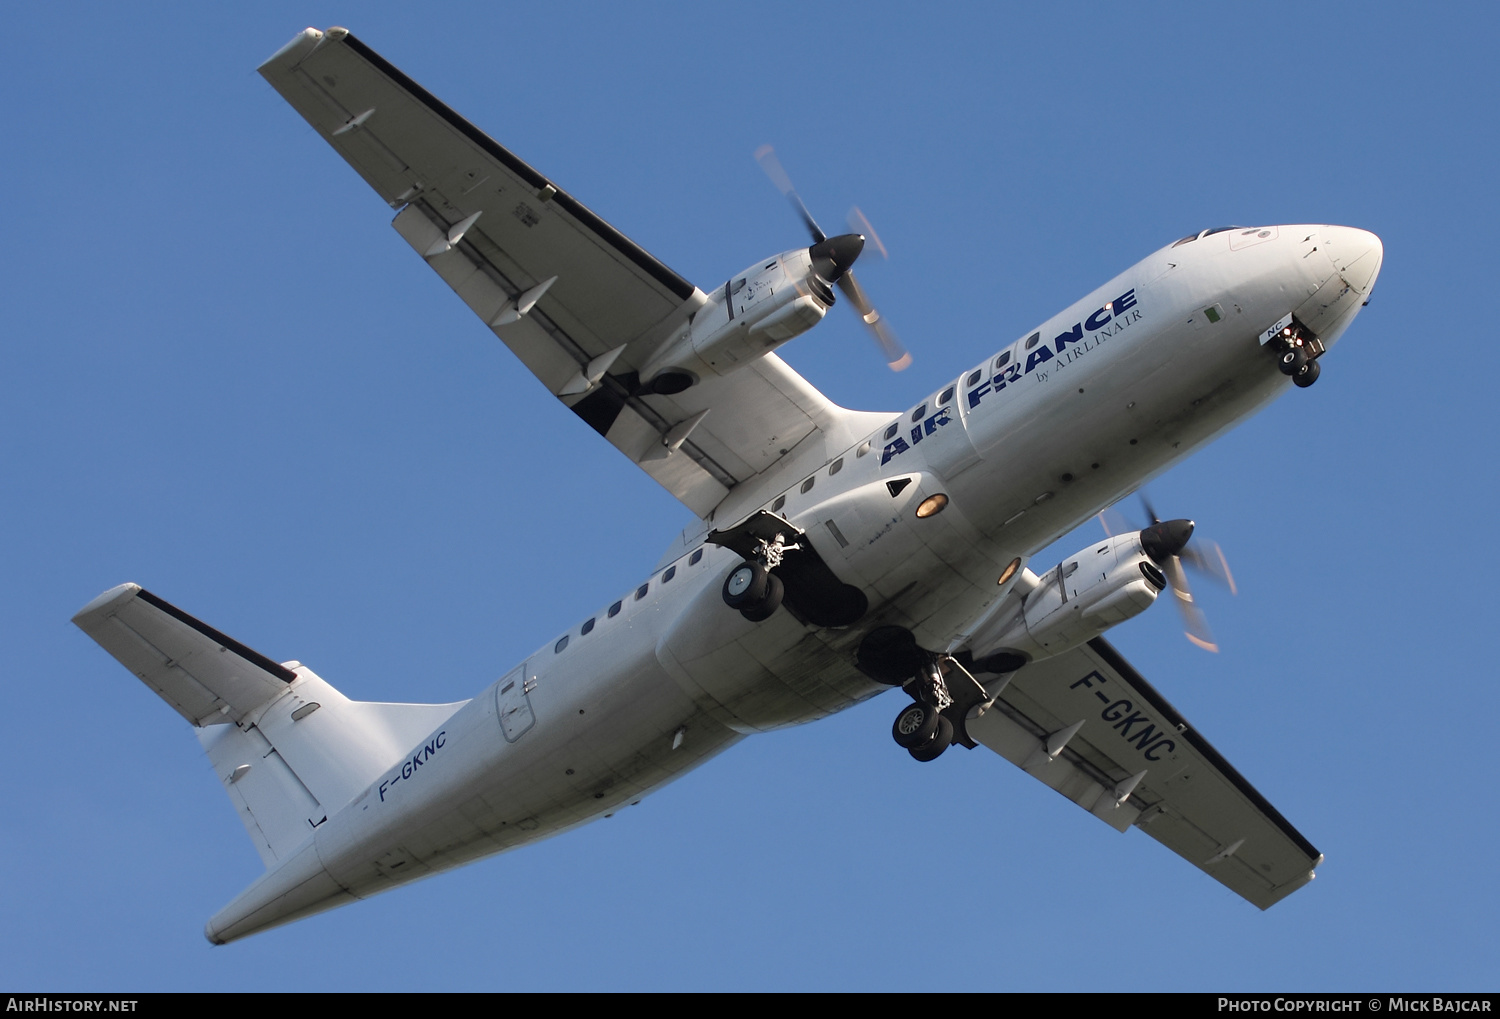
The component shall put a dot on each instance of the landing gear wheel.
(916, 724)
(768, 604)
(1307, 375)
(746, 586)
(1291, 360)
(934, 747)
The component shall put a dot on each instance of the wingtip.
(115, 594)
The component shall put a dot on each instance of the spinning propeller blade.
(1166, 542)
(896, 356)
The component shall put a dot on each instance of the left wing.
(1091, 727)
(570, 295)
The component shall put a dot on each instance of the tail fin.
(288, 747)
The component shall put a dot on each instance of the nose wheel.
(1306, 375)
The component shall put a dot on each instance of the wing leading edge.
(581, 305)
(1090, 726)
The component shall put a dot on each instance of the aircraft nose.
(1356, 253)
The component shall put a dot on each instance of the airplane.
(834, 554)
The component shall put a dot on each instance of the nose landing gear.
(1297, 355)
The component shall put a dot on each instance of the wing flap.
(207, 677)
(1132, 759)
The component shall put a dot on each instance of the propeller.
(837, 254)
(1166, 542)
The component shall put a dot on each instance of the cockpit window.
(1203, 233)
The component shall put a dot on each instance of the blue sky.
(228, 380)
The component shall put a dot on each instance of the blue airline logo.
(1121, 311)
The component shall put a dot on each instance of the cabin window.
(919, 413)
(562, 643)
(1002, 360)
(974, 378)
(640, 592)
(864, 447)
(693, 559)
(1031, 340)
(780, 502)
(588, 627)
(671, 572)
(836, 466)
(807, 485)
(614, 610)
(890, 433)
(947, 395)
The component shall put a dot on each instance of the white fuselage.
(1110, 392)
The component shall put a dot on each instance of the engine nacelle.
(752, 314)
(1083, 596)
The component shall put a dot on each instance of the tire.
(1291, 360)
(915, 725)
(745, 585)
(1307, 375)
(769, 604)
(933, 748)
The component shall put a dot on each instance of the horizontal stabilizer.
(207, 677)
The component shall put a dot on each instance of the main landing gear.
(752, 587)
(943, 690)
(923, 727)
(754, 590)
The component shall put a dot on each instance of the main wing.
(562, 289)
(1092, 728)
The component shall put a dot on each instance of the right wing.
(1131, 759)
(496, 230)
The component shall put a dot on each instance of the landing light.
(1010, 571)
(932, 506)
